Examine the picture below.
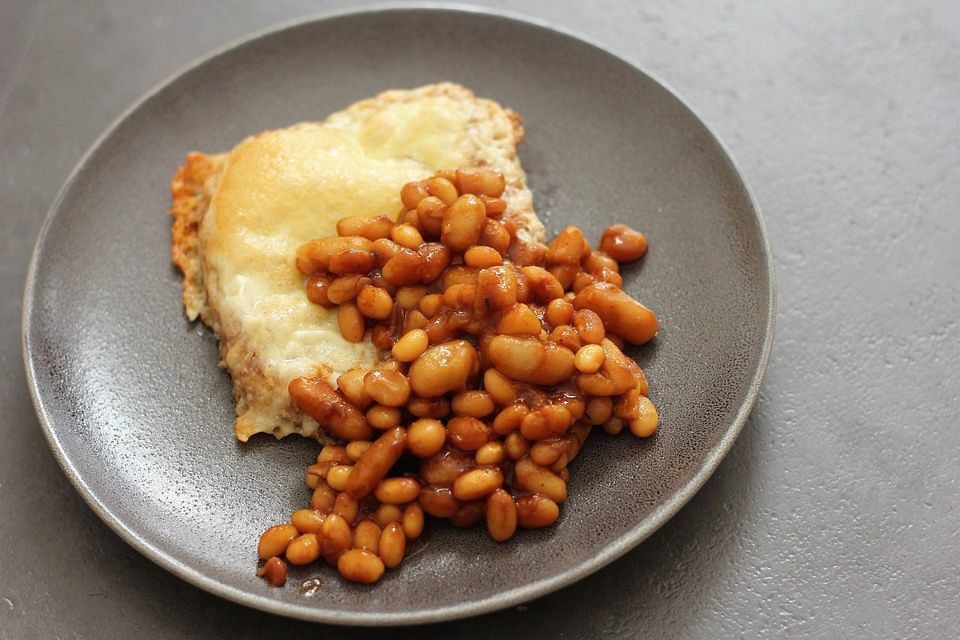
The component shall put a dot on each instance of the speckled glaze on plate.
(140, 417)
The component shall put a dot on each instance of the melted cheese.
(282, 188)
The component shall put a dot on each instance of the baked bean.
(449, 174)
(430, 215)
(500, 387)
(389, 388)
(425, 437)
(544, 286)
(519, 320)
(410, 218)
(467, 434)
(536, 511)
(497, 287)
(274, 572)
(382, 337)
(351, 386)
(351, 322)
(442, 468)
(303, 549)
(645, 421)
(619, 312)
(475, 404)
(404, 268)
(501, 515)
(357, 448)
(534, 478)
(307, 520)
(559, 312)
(311, 479)
(482, 257)
(320, 401)
(589, 326)
(346, 288)
(546, 452)
(430, 304)
(369, 228)
(382, 417)
(409, 297)
(407, 236)
(495, 207)
(575, 439)
(429, 407)
(468, 514)
(460, 296)
(463, 222)
(337, 477)
(589, 358)
(565, 274)
(526, 253)
(446, 325)
(531, 360)
(384, 249)
(323, 498)
(495, 236)
(516, 445)
(387, 513)
(509, 419)
(477, 483)
(438, 502)
(317, 286)
(606, 275)
(443, 189)
(352, 261)
(443, 368)
(275, 540)
(490, 453)
(366, 535)
(413, 521)
(333, 453)
(346, 506)
(412, 193)
(415, 321)
(599, 260)
(622, 243)
(567, 247)
(397, 490)
(613, 426)
(393, 545)
(359, 565)
(320, 469)
(375, 302)
(614, 377)
(374, 464)
(411, 346)
(546, 422)
(314, 256)
(599, 410)
(481, 182)
(335, 537)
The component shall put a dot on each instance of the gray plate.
(140, 417)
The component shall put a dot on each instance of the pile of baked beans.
(505, 353)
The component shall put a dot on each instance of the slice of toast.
(240, 216)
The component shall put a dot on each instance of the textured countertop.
(835, 514)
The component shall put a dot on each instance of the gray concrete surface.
(835, 515)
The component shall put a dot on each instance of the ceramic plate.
(141, 419)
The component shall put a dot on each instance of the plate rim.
(613, 549)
